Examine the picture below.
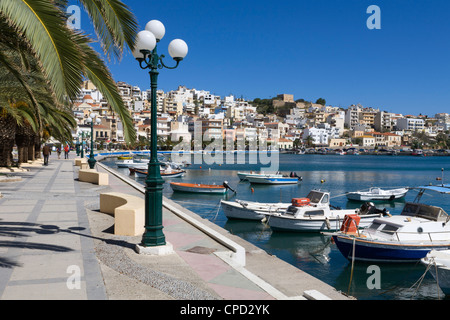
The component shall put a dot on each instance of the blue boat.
(407, 237)
(273, 180)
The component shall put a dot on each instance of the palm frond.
(98, 73)
(114, 23)
(42, 24)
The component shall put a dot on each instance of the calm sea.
(314, 253)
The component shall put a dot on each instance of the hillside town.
(286, 123)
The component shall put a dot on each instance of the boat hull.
(272, 180)
(234, 210)
(383, 251)
(193, 188)
(333, 223)
(125, 164)
(439, 266)
(143, 174)
(245, 175)
(364, 196)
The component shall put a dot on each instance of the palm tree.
(36, 29)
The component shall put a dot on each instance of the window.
(374, 226)
(291, 210)
(315, 213)
(389, 229)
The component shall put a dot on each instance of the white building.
(321, 134)
(410, 124)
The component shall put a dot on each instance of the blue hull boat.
(407, 237)
(374, 251)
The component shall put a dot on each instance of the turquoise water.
(314, 253)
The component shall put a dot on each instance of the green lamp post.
(145, 52)
(90, 119)
(82, 145)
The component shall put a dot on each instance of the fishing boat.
(314, 214)
(142, 165)
(198, 188)
(374, 194)
(249, 210)
(244, 175)
(125, 163)
(407, 237)
(125, 157)
(142, 173)
(438, 262)
(273, 180)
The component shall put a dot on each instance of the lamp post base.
(155, 250)
(91, 162)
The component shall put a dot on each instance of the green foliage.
(264, 106)
(321, 101)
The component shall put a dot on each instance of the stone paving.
(55, 244)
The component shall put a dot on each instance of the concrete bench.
(128, 212)
(82, 163)
(93, 176)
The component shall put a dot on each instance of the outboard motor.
(294, 175)
(226, 185)
(369, 208)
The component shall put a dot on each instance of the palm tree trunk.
(24, 138)
(7, 136)
(37, 146)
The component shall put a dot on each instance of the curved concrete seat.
(93, 176)
(80, 161)
(128, 212)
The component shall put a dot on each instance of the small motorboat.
(142, 173)
(377, 194)
(198, 188)
(438, 262)
(274, 180)
(248, 210)
(125, 163)
(407, 237)
(244, 175)
(125, 157)
(314, 214)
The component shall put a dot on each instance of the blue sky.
(311, 49)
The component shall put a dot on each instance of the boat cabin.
(318, 197)
(314, 203)
(416, 222)
(424, 211)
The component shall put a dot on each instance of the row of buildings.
(190, 114)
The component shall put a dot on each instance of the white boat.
(273, 180)
(314, 214)
(248, 210)
(142, 173)
(407, 237)
(438, 263)
(244, 175)
(377, 194)
(125, 163)
(198, 188)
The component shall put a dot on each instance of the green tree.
(321, 101)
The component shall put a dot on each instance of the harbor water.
(315, 253)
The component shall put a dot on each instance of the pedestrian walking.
(66, 151)
(46, 152)
(59, 152)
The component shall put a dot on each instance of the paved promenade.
(56, 244)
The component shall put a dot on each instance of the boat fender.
(328, 223)
(253, 190)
